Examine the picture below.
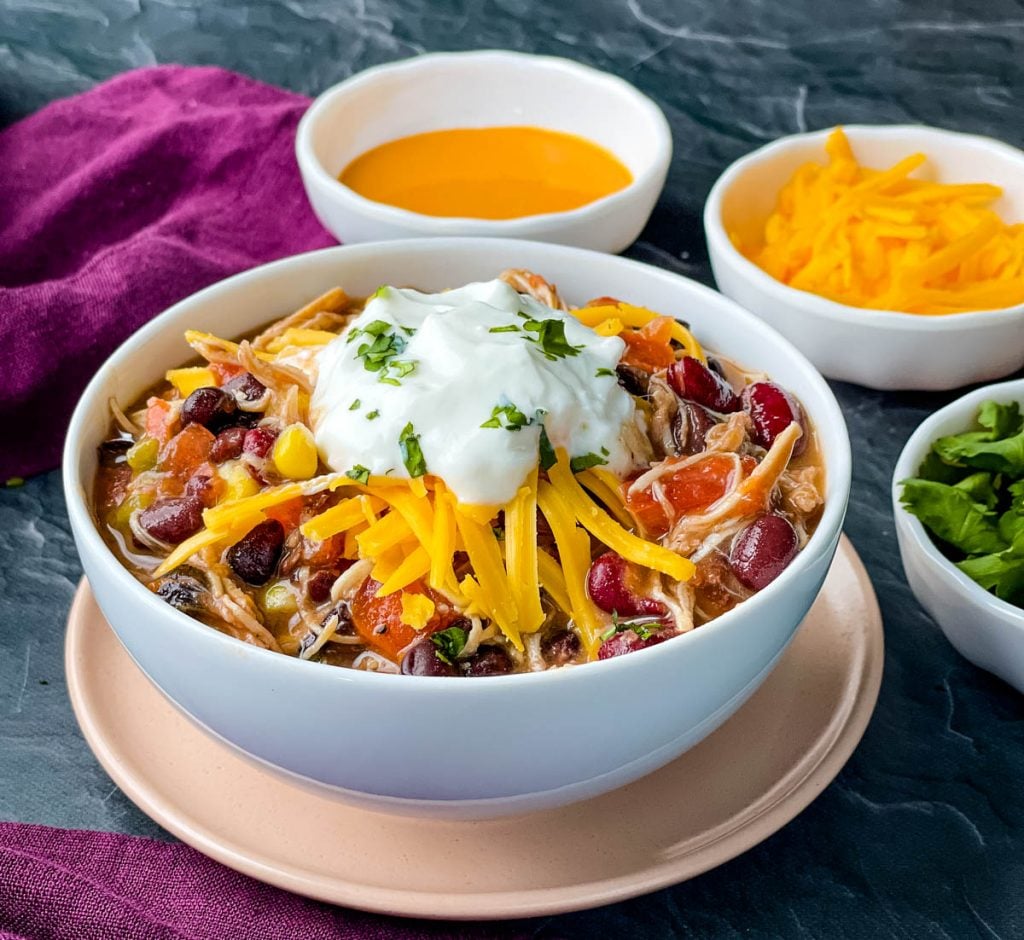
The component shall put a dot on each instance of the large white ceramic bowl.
(454, 747)
(877, 348)
(483, 89)
(987, 631)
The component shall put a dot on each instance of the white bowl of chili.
(882, 349)
(429, 746)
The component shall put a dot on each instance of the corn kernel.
(239, 480)
(186, 381)
(142, 454)
(295, 453)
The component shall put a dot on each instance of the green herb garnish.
(359, 473)
(586, 461)
(380, 353)
(639, 627)
(449, 643)
(508, 417)
(969, 493)
(550, 338)
(373, 415)
(355, 405)
(412, 454)
(548, 457)
(603, 371)
(511, 328)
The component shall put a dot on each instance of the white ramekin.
(483, 89)
(877, 348)
(449, 746)
(984, 629)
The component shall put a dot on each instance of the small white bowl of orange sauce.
(485, 143)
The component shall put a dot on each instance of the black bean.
(112, 453)
(254, 558)
(634, 380)
(246, 387)
(173, 520)
(209, 406)
(690, 427)
(422, 659)
(488, 661)
(184, 591)
(560, 648)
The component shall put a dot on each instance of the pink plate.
(731, 791)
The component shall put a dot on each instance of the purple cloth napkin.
(118, 202)
(61, 884)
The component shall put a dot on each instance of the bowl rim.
(660, 155)
(815, 304)
(89, 540)
(907, 464)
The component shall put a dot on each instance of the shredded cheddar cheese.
(612, 319)
(884, 240)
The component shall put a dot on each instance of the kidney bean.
(692, 380)
(200, 486)
(228, 445)
(607, 587)
(258, 441)
(209, 406)
(763, 550)
(246, 387)
(690, 427)
(560, 648)
(421, 659)
(320, 582)
(488, 661)
(173, 520)
(772, 409)
(629, 642)
(254, 558)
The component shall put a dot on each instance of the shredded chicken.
(679, 598)
(728, 437)
(664, 408)
(753, 495)
(799, 490)
(231, 604)
(526, 282)
(275, 375)
(122, 420)
(477, 634)
(350, 580)
(324, 313)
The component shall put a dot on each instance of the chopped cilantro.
(355, 405)
(548, 458)
(380, 353)
(640, 627)
(511, 328)
(359, 473)
(449, 643)
(604, 371)
(373, 415)
(412, 454)
(586, 461)
(508, 417)
(551, 338)
(381, 291)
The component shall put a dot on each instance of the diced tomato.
(183, 454)
(650, 347)
(224, 372)
(690, 488)
(378, 620)
(288, 513)
(158, 419)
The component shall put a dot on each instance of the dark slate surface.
(922, 835)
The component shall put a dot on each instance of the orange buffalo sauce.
(487, 172)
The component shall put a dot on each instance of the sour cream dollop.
(473, 373)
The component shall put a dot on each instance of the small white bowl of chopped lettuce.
(958, 500)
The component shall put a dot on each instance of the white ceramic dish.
(483, 89)
(877, 348)
(449, 747)
(984, 629)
